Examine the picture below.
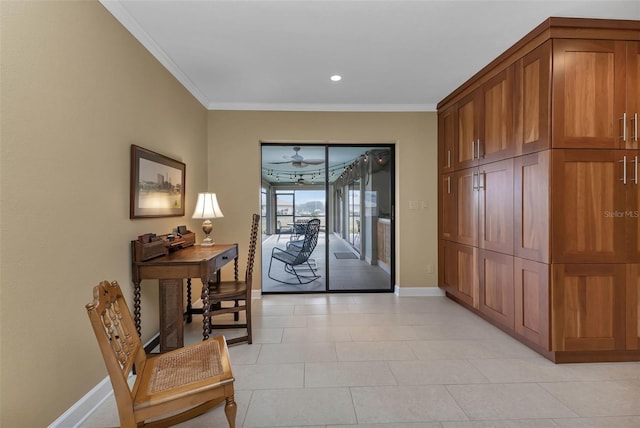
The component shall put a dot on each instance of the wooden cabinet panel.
(495, 136)
(588, 307)
(531, 206)
(465, 182)
(632, 140)
(467, 286)
(468, 116)
(633, 306)
(531, 291)
(588, 96)
(532, 96)
(447, 266)
(495, 210)
(446, 140)
(632, 206)
(447, 215)
(495, 271)
(588, 197)
(457, 267)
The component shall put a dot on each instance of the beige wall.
(234, 172)
(77, 90)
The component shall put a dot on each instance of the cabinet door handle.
(624, 127)
(449, 185)
(635, 127)
(478, 144)
(624, 170)
(449, 158)
(484, 180)
(473, 149)
(635, 179)
(473, 181)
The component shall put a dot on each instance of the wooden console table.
(191, 262)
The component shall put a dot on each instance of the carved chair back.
(117, 337)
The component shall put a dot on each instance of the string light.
(380, 158)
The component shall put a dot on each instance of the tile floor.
(382, 361)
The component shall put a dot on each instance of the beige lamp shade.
(207, 208)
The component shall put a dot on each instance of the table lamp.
(207, 208)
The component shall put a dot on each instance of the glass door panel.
(293, 260)
(359, 237)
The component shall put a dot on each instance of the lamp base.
(207, 242)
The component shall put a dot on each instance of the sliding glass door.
(348, 191)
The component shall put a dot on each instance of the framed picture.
(157, 185)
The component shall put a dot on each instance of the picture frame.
(157, 185)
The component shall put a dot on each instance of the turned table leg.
(136, 306)
(205, 309)
(189, 317)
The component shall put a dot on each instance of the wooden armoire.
(539, 195)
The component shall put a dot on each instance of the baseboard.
(418, 291)
(256, 294)
(385, 267)
(80, 411)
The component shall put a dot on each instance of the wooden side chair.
(236, 291)
(171, 387)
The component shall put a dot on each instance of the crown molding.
(324, 107)
(121, 14)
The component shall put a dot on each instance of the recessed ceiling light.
(336, 78)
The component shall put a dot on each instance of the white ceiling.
(394, 55)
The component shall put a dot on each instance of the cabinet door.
(457, 266)
(468, 116)
(633, 306)
(495, 271)
(632, 206)
(466, 191)
(495, 137)
(495, 206)
(588, 307)
(588, 94)
(532, 96)
(531, 206)
(447, 218)
(467, 286)
(446, 139)
(588, 206)
(447, 266)
(632, 139)
(531, 283)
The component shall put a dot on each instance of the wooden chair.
(177, 385)
(236, 291)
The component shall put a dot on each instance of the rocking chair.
(296, 256)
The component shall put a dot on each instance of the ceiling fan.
(298, 161)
